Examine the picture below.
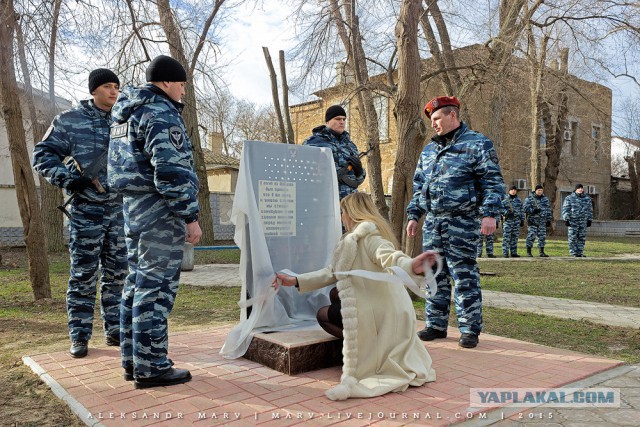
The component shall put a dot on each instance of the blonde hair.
(360, 208)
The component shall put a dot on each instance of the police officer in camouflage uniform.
(538, 210)
(332, 135)
(577, 212)
(151, 164)
(488, 242)
(512, 220)
(457, 182)
(96, 234)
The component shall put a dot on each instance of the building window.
(596, 137)
(381, 104)
(570, 136)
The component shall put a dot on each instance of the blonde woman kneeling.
(381, 351)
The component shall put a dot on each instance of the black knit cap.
(334, 111)
(100, 76)
(578, 185)
(539, 187)
(513, 187)
(165, 69)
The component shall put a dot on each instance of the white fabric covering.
(287, 215)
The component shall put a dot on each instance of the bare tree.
(23, 176)
(348, 28)
(633, 162)
(332, 30)
(174, 39)
(411, 128)
(50, 195)
(274, 94)
(285, 98)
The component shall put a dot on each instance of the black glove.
(521, 223)
(536, 211)
(79, 184)
(588, 223)
(356, 164)
(567, 223)
(548, 223)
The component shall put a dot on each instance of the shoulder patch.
(493, 156)
(47, 133)
(119, 131)
(176, 136)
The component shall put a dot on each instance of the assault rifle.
(92, 172)
(343, 173)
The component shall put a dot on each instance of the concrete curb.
(76, 407)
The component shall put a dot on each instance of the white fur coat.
(381, 351)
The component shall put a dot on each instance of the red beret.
(439, 102)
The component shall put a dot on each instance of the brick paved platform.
(240, 392)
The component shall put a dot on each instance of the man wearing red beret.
(457, 181)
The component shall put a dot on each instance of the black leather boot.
(172, 377)
(430, 334)
(529, 252)
(79, 348)
(542, 254)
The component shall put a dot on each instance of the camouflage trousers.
(510, 232)
(155, 243)
(96, 244)
(489, 244)
(456, 240)
(577, 237)
(536, 231)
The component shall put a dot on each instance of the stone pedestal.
(294, 352)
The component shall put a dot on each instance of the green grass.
(227, 256)
(594, 247)
(608, 282)
(576, 335)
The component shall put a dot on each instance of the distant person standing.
(333, 135)
(77, 141)
(577, 213)
(513, 219)
(151, 164)
(538, 210)
(457, 181)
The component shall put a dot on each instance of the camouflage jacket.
(342, 148)
(577, 208)
(80, 134)
(532, 202)
(512, 208)
(457, 177)
(150, 150)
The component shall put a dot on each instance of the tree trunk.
(356, 60)
(443, 55)
(410, 126)
(50, 195)
(190, 116)
(285, 99)
(634, 178)
(554, 146)
(537, 66)
(23, 176)
(274, 94)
